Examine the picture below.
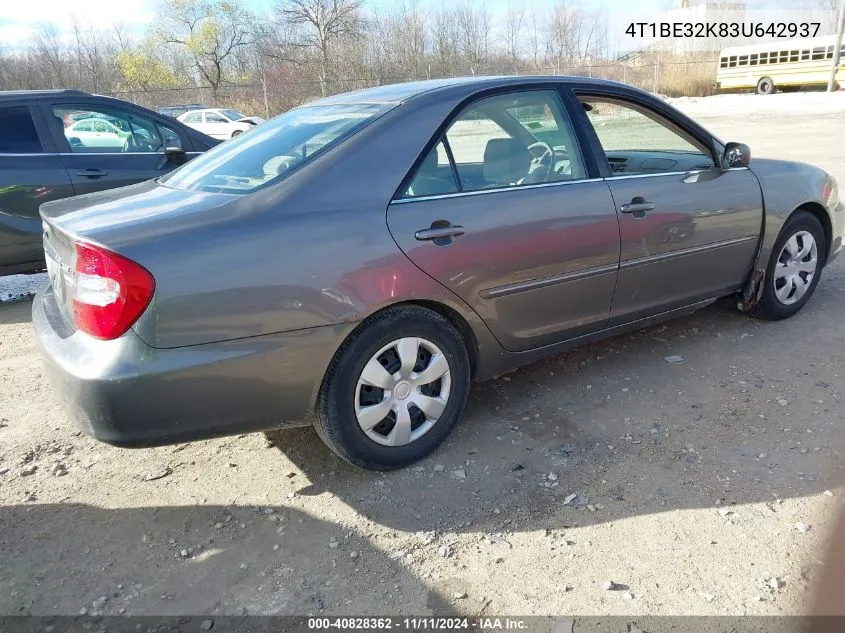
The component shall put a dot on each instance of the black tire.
(770, 307)
(236, 133)
(335, 419)
(766, 86)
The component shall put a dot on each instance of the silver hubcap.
(796, 268)
(402, 391)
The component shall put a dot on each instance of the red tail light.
(110, 292)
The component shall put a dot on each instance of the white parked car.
(94, 132)
(219, 123)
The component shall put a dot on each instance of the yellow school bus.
(779, 64)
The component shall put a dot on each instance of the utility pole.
(264, 88)
(657, 73)
(840, 27)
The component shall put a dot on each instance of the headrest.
(506, 161)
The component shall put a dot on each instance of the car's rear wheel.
(794, 268)
(395, 389)
(765, 86)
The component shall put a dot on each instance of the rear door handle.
(439, 232)
(92, 173)
(637, 207)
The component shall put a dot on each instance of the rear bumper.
(129, 394)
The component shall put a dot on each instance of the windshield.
(233, 114)
(271, 151)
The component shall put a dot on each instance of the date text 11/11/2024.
(723, 29)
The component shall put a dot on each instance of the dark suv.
(59, 143)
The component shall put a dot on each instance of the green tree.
(140, 70)
(215, 35)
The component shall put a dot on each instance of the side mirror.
(174, 151)
(173, 147)
(736, 155)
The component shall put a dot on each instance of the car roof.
(6, 95)
(394, 94)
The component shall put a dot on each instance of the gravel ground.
(705, 486)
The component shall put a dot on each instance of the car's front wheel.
(395, 389)
(794, 268)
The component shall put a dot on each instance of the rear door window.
(18, 134)
(274, 149)
(509, 140)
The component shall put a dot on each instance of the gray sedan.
(355, 263)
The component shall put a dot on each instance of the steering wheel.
(542, 162)
(136, 143)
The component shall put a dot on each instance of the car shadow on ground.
(613, 430)
(183, 560)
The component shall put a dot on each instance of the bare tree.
(49, 46)
(320, 24)
(534, 34)
(444, 42)
(474, 32)
(562, 34)
(90, 57)
(514, 25)
(411, 37)
(121, 38)
(211, 33)
(592, 37)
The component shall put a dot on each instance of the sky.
(20, 19)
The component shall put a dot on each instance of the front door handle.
(439, 232)
(638, 206)
(92, 173)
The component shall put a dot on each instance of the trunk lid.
(116, 219)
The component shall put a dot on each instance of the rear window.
(17, 131)
(269, 152)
